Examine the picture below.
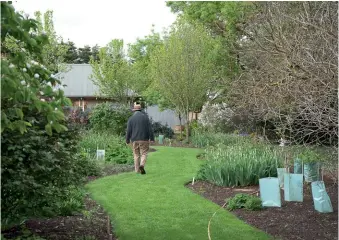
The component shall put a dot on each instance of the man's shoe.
(142, 170)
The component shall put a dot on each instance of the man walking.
(139, 133)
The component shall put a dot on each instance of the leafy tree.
(112, 72)
(183, 68)
(81, 55)
(95, 52)
(53, 52)
(139, 54)
(226, 21)
(85, 54)
(72, 52)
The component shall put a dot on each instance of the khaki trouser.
(140, 150)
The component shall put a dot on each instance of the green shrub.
(244, 201)
(160, 129)
(119, 153)
(116, 150)
(253, 203)
(239, 165)
(109, 118)
(70, 201)
(36, 169)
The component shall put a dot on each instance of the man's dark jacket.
(139, 128)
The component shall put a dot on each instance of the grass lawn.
(158, 206)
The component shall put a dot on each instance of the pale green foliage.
(182, 68)
(112, 71)
(54, 52)
(242, 164)
(140, 54)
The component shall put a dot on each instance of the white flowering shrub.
(216, 116)
(26, 84)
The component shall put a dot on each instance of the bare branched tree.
(290, 55)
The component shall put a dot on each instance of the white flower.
(49, 84)
(34, 62)
(42, 100)
(36, 75)
(28, 65)
(52, 76)
(26, 15)
(24, 70)
(56, 109)
(23, 82)
(61, 87)
(43, 33)
(11, 65)
(53, 98)
(28, 85)
(41, 93)
(51, 122)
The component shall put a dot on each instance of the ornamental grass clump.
(203, 139)
(239, 165)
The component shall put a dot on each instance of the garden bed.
(293, 221)
(90, 224)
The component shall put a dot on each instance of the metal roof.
(77, 79)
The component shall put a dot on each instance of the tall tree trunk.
(180, 122)
(187, 127)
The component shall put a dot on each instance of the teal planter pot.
(321, 200)
(293, 187)
(161, 139)
(297, 166)
(270, 192)
(311, 171)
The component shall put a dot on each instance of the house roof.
(77, 79)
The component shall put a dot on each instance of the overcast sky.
(99, 21)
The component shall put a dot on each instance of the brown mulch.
(293, 221)
(92, 222)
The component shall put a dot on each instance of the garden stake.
(209, 222)
(108, 226)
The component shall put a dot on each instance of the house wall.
(168, 117)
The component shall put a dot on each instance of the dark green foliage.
(244, 201)
(160, 129)
(39, 173)
(80, 55)
(106, 117)
(118, 152)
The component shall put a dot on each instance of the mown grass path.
(158, 206)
